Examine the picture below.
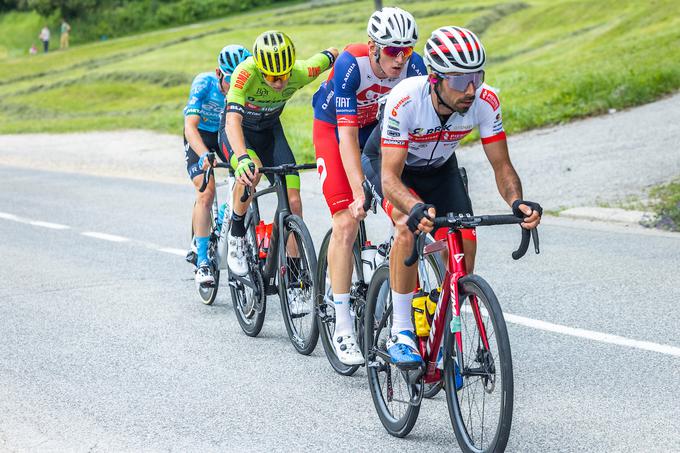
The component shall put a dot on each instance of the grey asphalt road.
(106, 347)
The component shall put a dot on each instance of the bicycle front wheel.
(248, 293)
(480, 408)
(395, 396)
(296, 285)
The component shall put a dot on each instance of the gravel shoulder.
(590, 163)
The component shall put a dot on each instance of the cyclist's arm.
(496, 146)
(312, 67)
(346, 80)
(192, 114)
(234, 131)
(507, 180)
(236, 100)
(393, 159)
(192, 135)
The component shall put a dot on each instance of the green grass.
(19, 31)
(552, 61)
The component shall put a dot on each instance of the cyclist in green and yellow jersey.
(251, 130)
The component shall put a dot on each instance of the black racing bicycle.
(281, 260)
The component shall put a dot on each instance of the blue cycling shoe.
(440, 365)
(403, 350)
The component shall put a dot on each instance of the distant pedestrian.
(33, 50)
(65, 30)
(44, 36)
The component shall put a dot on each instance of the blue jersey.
(206, 100)
(351, 95)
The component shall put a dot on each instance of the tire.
(480, 397)
(250, 304)
(302, 328)
(398, 419)
(208, 293)
(325, 310)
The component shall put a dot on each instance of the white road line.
(592, 335)
(515, 319)
(4, 215)
(178, 252)
(54, 226)
(104, 236)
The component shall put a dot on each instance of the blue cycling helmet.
(230, 57)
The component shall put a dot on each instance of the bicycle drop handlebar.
(285, 169)
(469, 221)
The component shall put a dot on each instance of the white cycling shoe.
(347, 350)
(204, 275)
(236, 256)
(297, 305)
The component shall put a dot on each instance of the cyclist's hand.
(203, 161)
(420, 218)
(246, 171)
(531, 212)
(356, 208)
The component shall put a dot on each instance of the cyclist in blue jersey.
(201, 125)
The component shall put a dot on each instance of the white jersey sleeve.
(489, 115)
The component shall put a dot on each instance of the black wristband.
(243, 157)
(330, 56)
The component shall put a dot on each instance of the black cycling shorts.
(191, 157)
(442, 187)
(270, 146)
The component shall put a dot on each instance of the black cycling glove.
(418, 211)
(531, 204)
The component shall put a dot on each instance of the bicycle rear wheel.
(296, 286)
(395, 397)
(481, 410)
(325, 308)
(248, 293)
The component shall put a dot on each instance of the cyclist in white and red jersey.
(410, 160)
(345, 108)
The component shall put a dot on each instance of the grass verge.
(665, 203)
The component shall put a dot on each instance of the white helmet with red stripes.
(454, 49)
(393, 27)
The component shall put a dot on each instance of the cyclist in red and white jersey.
(345, 108)
(410, 160)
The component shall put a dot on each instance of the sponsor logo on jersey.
(347, 120)
(491, 98)
(442, 136)
(241, 79)
(372, 93)
(329, 96)
(402, 101)
(261, 91)
(392, 142)
(341, 103)
(314, 71)
(393, 122)
(347, 74)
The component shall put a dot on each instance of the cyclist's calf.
(295, 201)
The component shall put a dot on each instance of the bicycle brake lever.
(523, 246)
(534, 237)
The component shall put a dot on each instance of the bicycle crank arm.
(244, 281)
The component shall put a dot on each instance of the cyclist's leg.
(404, 351)
(338, 195)
(201, 211)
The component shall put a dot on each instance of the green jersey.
(261, 105)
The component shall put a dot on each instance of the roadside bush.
(665, 202)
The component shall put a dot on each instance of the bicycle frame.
(456, 270)
(271, 263)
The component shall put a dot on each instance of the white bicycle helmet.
(454, 49)
(393, 27)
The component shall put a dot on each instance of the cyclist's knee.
(403, 237)
(295, 201)
(345, 228)
(205, 198)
